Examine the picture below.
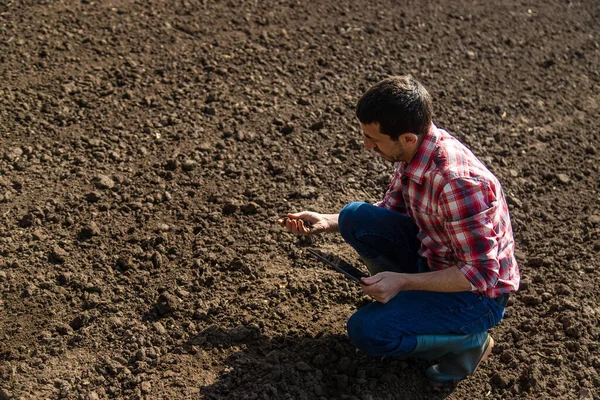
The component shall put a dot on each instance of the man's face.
(383, 145)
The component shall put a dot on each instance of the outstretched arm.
(310, 223)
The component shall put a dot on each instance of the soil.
(149, 147)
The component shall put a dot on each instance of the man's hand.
(382, 286)
(385, 285)
(309, 223)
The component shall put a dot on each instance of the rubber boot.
(459, 355)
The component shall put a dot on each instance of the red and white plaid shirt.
(461, 212)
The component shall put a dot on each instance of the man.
(439, 246)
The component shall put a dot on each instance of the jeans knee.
(369, 338)
(348, 219)
(356, 331)
(364, 335)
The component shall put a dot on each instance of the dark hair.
(399, 104)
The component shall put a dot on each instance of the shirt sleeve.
(394, 199)
(470, 210)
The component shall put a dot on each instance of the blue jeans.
(391, 329)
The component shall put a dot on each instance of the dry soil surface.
(148, 147)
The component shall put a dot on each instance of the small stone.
(563, 178)
(229, 209)
(573, 346)
(160, 329)
(124, 262)
(209, 110)
(157, 260)
(501, 380)
(546, 296)
(64, 278)
(236, 264)
(103, 182)
(303, 367)
(570, 305)
(164, 227)
(536, 262)
(250, 208)
(531, 300)
(167, 303)
(5, 394)
(287, 128)
(26, 221)
(594, 219)
(141, 354)
(135, 205)
(189, 165)
(93, 197)
(591, 150)
(29, 291)
(317, 126)
(586, 394)
(171, 165)
(89, 231)
(273, 358)
(146, 387)
(574, 331)
(506, 357)
(240, 333)
(204, 147)
(57, 255)
(152, 353)
(93, 396)
(63, 329)
(514, 201)
(13, 154)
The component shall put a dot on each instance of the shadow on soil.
(296, 367)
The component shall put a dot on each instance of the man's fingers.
(301, 227)
(295, 216)
(372, 279)
(295, 223)
(290, 225)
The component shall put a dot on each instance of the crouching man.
(439, 246)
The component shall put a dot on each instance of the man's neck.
(417, 145)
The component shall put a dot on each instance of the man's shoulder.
(452, 160)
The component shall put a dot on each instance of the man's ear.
(409, 138)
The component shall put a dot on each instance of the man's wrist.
(403, 281)
(332, 222)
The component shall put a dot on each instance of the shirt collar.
(416, 168)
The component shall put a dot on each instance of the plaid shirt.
(461, 212)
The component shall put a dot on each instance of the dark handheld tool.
(341, 266)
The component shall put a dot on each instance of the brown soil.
(148, 147)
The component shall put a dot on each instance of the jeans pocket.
(482, 324)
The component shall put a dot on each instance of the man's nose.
(368, 143)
